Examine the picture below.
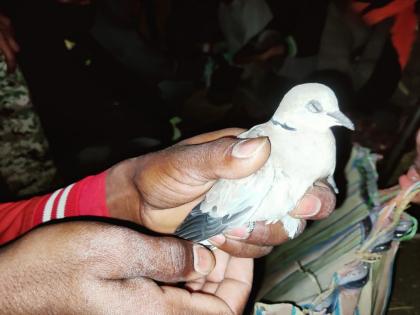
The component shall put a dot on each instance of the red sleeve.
(86, 197)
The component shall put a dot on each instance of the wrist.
(84, 198)
(122, 196)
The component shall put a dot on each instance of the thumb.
(164, 259)
(228, 157)
(175, 260)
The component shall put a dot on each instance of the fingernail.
(218, 240)
(308, 207)
(239, 233)
(247, 148)
(203, 263)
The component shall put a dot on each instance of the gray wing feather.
(229, 203)
(200, 226)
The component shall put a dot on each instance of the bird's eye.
(314, 106)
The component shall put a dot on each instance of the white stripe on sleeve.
(46, 214)
(62, 202)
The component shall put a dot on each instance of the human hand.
(96, 268)
(158, 190)
(413, 174)
(238, 271)
(8, 45)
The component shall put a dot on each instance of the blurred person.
(368, 42)
(93, 111)
(26, 167)
(8, 44)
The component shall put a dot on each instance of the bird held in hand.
(302, 151)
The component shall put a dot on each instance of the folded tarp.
(342, 265)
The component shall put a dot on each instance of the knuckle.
(266, 234)
(177, 256)
(261, 233)
(328, 204)
(327, 197)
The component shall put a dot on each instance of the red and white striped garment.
(86, 197)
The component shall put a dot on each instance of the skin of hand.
(413, 174)
(8, 45)
(158, 190)
(96, 268)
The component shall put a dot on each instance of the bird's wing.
(229, 203)
(232, 196)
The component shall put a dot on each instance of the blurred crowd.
(87, 83)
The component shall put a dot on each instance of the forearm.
(86, 197)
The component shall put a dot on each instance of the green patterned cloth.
(25, 166)
(342, 265)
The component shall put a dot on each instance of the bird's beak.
(342, 120)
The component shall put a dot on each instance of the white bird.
(302, 151)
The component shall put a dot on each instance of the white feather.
(302, 152)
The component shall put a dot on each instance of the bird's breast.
(304, 155)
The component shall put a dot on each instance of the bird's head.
(312, 107)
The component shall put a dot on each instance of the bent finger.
(262, 234)
(317, 203)
(230, 297)
(239, 248)
(235, 288)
